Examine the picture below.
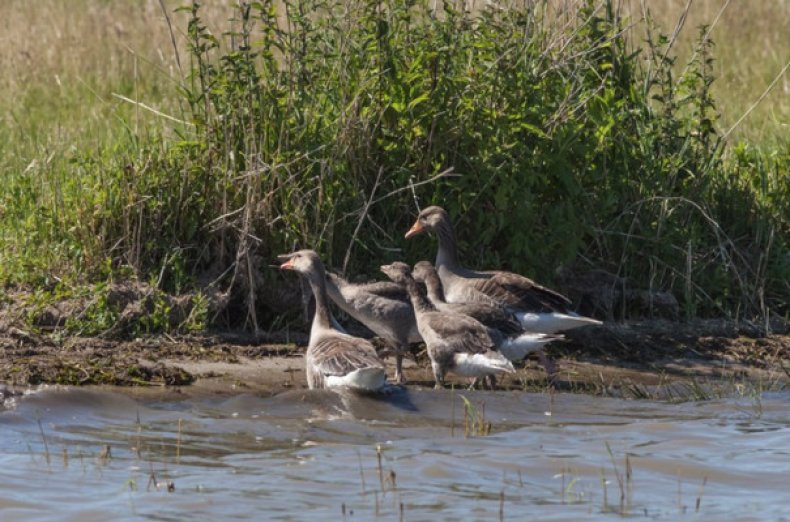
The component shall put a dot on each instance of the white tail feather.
(368, 379)
(553, 322)
(481, 364)
(516, 348)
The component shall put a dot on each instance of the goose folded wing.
(378, 305)
(342, 355)
(387, 290)
(492, 316)
(521, 292)
(461, 332)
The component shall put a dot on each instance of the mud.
(648, 359)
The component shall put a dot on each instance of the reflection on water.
(102, 454)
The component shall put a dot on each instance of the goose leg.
(549, 365)
(486, 383)
(399, 378)
(438, 376)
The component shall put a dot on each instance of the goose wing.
(342, 354)
(461, 332)
(491, 316)
(353, 291)
(377, 305)
(521, 293)
(387, 290)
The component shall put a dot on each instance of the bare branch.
(361, 219)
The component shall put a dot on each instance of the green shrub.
(570, 148)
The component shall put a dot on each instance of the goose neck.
(434, 288)
(448, 251)
(323, 317)
(418, 300)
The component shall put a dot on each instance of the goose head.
(306, 262)
(429, 220)
(423, 271)
(398, 272)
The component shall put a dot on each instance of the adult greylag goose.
(456, 343)
(333, 358)
(538, 309)
(505, 330)
(383, 307)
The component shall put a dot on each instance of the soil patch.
(657, 358)
(646, 359)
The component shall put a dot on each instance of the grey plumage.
(383, 307)
(491, 314)
(333, 358)
(538, 308)
(455, 342)
(504, 328)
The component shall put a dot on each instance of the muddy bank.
(656, 359)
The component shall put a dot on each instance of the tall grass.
(750, 51)
(302, 124)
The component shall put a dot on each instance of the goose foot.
(399, 378)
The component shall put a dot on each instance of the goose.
(382, 306)
(505, 330)
(538, 309)
(333, 358)
(456, 343)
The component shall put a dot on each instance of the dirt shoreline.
(648, 359)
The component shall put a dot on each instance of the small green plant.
(197, 320)
(97, 318)
(156, 316)
(475, 424)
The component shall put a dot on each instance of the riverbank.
(647, 359)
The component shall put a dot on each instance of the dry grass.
(90, 39)
(63, 60)
(751, 48)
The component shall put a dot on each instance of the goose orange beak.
(415, 229)
(288, 265)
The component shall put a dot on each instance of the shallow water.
(313, 456)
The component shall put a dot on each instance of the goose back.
(382, 306)
(331, 356)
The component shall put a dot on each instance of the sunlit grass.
(751, 50)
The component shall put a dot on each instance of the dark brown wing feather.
(521, 293)
(340, 355)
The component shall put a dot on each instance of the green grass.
(572, 150)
